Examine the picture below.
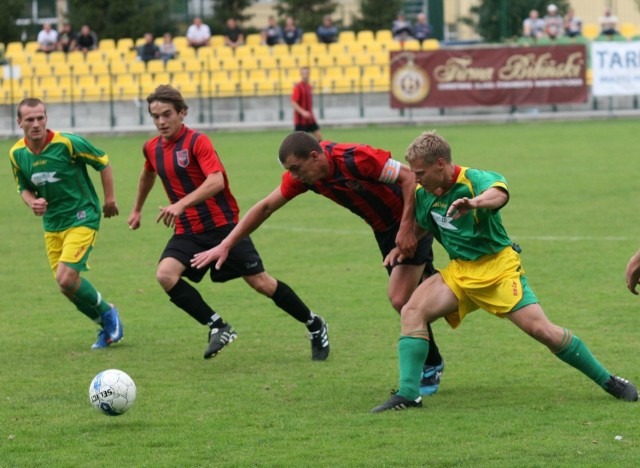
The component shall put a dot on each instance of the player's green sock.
(89, 301)
(412, 351)
(575, 353)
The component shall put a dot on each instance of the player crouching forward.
(460, 206)
(203, 211)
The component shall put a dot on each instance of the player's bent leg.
(572, 350)
(403, 280)
(169, 272)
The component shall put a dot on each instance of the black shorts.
(424, 252)
(243, 259)
(309, 128)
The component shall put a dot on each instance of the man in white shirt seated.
(47, 39)
(198, 34)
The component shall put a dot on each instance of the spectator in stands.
(87, 39)
(198, 34)
(291, 33)
(327, 32)
(66, 38)
(233, 35)
(553, 22)
(47, 39)
(422, 29)
(272, 34)
(401, 29)
(168, 50)
(302, 103)
(148, 50)
(533, 26)
(572, 24)
(608, 23)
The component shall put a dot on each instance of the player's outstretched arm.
(492, 199)
(145, 184)
(256, 215)
(632, 273)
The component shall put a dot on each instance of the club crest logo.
(182, 157)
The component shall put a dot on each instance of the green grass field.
(504, 400)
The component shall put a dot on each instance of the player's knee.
(166, 278)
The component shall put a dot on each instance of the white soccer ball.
(112, 392)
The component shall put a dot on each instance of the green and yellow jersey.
(59, 175)
(474, 235)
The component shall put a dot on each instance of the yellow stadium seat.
(99, 68)
(193, 65)
(309, 38)
(217, 41)
(381, 58)
(353, 72)
(181, 42)
(267, 62)
(343, 59)
(175, 65)
(57, 56)
(384, 35)
(280, 50)
(431, 44)
(155, 66)
(253, 39)
(38, 58)
(31, 47)
(628, 30)
(137, 67)
(346, 37)
(249, 63)
(61, 69)
(363, 59)
(365, 37)
(590, 30)
(42, 69)
(79, 68)
(125, 44)
(14, 49)
(106, 44)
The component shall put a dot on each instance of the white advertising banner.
(615, 68)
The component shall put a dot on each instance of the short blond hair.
(428, 147)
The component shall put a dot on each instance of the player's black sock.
(189, 299)
(433, 358)
(285, 298)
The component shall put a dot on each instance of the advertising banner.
(489, 76)
(616, 68)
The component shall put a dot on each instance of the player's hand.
(134, 220)
(632, 275)
(169, 214)
(110, 209)
(202, 259)
(393, 258)
(39, 206)
(407, 242)
(460, 207)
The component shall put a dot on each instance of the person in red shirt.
(302, 102)
(203, 211)
(373, 186)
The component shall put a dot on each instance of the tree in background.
(307, 14)
(377, 14)
(116, 19)
(495, 20)
(11, 10)
(225, 9)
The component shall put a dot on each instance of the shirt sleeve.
(85, 151)
(207, 156)
(291, 187)
(371, 162)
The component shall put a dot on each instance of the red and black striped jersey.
(357, 182)
(183, 165)
(302, 94)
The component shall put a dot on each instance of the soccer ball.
(112, 392)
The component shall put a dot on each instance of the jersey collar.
(47, 140)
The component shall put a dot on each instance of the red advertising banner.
(489, 76)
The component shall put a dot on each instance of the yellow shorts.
(72, 247)
(495, 283)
